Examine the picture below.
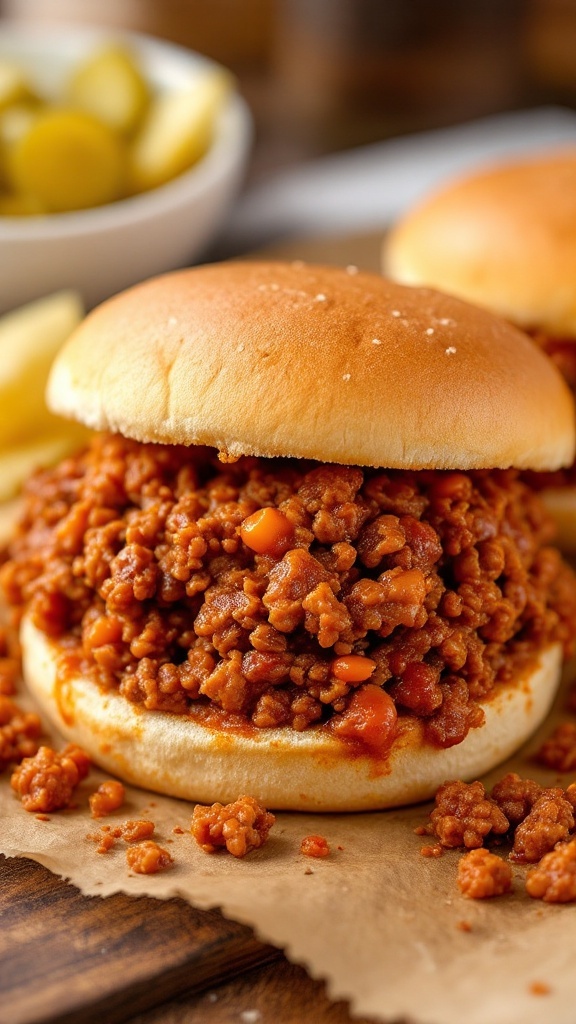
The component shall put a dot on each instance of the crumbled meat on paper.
(148, 858)
(464, 815)
(515, 796)
(108, 798)
(315, 846)
(554, 878)
(482, 874)
(46, 782)
(547, 823)
(558, 752)
(19, 733)
(240, 827)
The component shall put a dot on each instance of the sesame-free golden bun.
(285, 769)
(288, 359)
(503, 237)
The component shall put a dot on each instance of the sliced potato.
(29, 339)
(17, 463)
(110, 85)
(178, 130)
(67, 160)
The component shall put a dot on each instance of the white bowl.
(103, 250)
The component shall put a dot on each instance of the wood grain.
(70, 958)
(67, 958)
(280, 992)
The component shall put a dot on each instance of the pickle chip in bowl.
(120, 156)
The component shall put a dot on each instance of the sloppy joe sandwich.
(298, 559)
(505, 238)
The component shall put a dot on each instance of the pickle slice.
(67, 160)
(110, 85)
(14, 86)
(12, 205)
(177, 131)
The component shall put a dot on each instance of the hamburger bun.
(282, 768)
(503, 238)
(273, 359)
(313, 363)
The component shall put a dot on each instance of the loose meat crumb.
(239, 827)
(558, 752)
(549, 822)
(464, 815)
(482, 874)
(539, 988)
(108, 798)
(106, 841)
(445, 581)
(148, 858)
(554, 878)
(133, 830)
(515, 796)
(436, 850)
(46, 782)
(314, 846)
(464, 926)
(19, 733)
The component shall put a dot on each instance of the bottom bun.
(284, 769)
(561, 504)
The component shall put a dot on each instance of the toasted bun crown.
(287, 359)
(504, 238)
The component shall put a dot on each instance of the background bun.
(284, 769)
(314, 362)
(504, 238)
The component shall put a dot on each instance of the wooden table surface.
(73, 959)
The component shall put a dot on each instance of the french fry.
(19, 461)
(29, 339)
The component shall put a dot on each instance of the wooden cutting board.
(64, 956)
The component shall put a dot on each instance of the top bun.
(504, 238)
(287, 359)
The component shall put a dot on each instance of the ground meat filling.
(152, 563)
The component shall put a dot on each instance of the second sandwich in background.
(505, 238)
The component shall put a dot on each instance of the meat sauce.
(367, 596)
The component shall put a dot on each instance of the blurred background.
(326, 75)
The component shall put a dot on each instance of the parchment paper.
(381, 923)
